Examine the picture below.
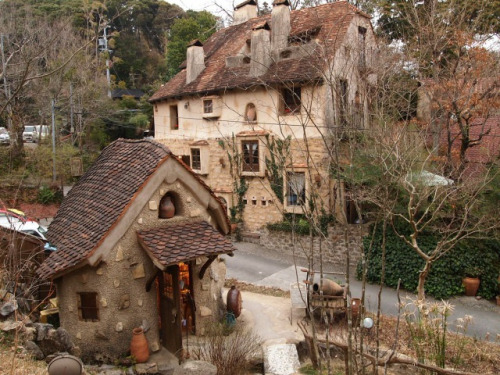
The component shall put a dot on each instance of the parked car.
(28, 227)
(30, 133)
(13, 214)
(4, 137)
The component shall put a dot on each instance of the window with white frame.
(196, 159)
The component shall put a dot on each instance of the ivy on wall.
(445, 277)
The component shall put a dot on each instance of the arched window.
(170, 206)
(251, 113)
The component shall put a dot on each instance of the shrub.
(445, 277)
(230, 350)
(47, 195)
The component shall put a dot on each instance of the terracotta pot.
(471, 285)
(234, 226)
(328, 287)
(355, 310)
(498, 300)
(167, 208)
(139, 346)
(234, 301)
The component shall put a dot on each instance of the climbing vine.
(275, 163)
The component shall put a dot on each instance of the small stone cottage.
(121, 263)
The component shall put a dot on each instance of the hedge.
(445, 277)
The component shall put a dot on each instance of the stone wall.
(334, 247)
(120, 283)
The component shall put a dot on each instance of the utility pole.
(108, 77)
(53, 140)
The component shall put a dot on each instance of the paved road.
(259, 266)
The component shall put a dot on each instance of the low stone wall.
(334, 247)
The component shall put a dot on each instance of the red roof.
(330, 21)
(183, 242)
(100, 198)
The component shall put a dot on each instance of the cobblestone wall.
(333, 248)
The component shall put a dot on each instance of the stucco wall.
(265, 208)
(120, 281)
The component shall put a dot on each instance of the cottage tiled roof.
(100, 198)
(330, 21)
(183, 242)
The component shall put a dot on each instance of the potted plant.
(471, 280)
(233, 212)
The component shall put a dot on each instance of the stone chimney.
(244, 11)
(280, 23)
(261, 49)
(195, 60)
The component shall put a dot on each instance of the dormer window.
(212, 107)
(290, 100)
(208, 106)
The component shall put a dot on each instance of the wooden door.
(170, 310)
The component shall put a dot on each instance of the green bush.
(47, 195)
(445, 277)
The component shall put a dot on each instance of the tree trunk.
(422, 277)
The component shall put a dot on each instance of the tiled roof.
(183, 242)
(98, 199)
(329, 20)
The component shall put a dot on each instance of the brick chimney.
(280, 24)
(261, 49)
(195, 60)
(245, 11)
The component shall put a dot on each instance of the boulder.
(34, 350)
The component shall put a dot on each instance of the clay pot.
(167, 208)
(234, 226)
(355, 310)
(328, 287)
(471, 285)
(139, 346)
(234, 301)
(498, 300)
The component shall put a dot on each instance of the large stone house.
(269, 93)
(123, 261)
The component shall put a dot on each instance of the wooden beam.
(207, 264)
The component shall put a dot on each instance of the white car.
(28, 227)
(4, 137)
(30, 133)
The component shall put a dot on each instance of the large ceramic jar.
(139, 346)
(234, 301)
(471, 285)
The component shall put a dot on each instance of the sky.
(208, 5)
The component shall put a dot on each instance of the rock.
(100, 335)
(8, 308)
(138, 272)
(34, 350)
(145, 325)
(29, 334)
(119, 327)
(42, 330)
(205, 311)
(76, 351)
(146, 368)
(10, 325)
(196, 368)
(281, 359)
(124, 302)
(64, 339)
